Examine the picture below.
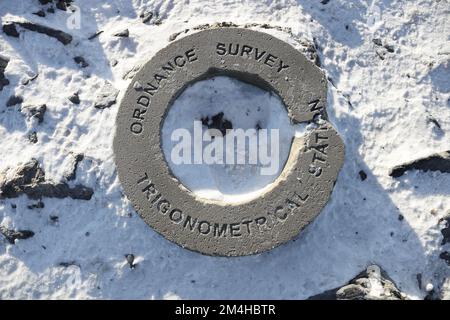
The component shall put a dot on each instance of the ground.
(389, 97)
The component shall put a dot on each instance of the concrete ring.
(213, 228)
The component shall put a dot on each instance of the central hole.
(226, 140)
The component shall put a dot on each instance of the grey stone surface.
(61, 36)
(29, 179)
(37, 112)
(107, 96)
(217, 228)
(3, 64)
(360, 288)
(434, 162)
(13, 235)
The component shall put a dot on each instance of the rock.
(12, 235)
(3, 64)
(32, 137)
(107, 97)
(59, 35)
(360, 288)
(29, 179)
(35, 111)
(38, 205)
(75, 98)
(63, 4)
(380, 54)
(76, 160)
(435, 122)
(446, 231)
(14, 100)
(45, 1)
(389, 48)
(218, 122)
(10, 30)
(352, 292)
(324, 2)
(362, 175)
(51, 10)
(130, 260)
(40, 13)
(173, 36)
(81, 61)
(32, 78)
(434, 162)
(146, 16)
(124, 33)
(445, 255)
(377, 41)
(68, 264)
(95, 35)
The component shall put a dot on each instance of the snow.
(246, 107)
(378, 100)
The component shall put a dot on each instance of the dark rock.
(324, 2)
(124, 33)
(362, 175)
(173, 36)
(445, 256)
(45, 1)
(68, 264)
(377, 41)
(54, 219)
(434, 162)
(3, 64)
(380, 54)
(446, 231)
(76, 160)
(37, 205)
(13, 206)
(75, 98)
(389, 48)
(130, 260)
(146, 16)
(51, 10)
(12, 235)
(359, 287)
(27, 81)
(107, 97)
(10, 30)
(401, 217)
(59, 35)
(29, 179)
(35, 111)
(40, 13)
(81, 61)
(3, 81)
(63, 4)
(13, 100)
(58, 190)
(95, 35)
(433, 120)
(218, 122)
(32, 137)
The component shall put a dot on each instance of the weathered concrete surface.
(216, 228)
